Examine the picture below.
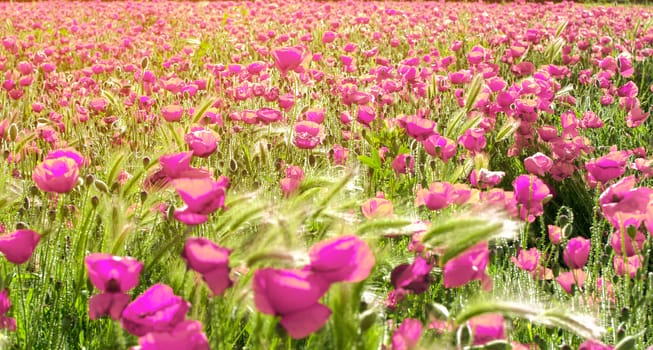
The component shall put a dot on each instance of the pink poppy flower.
(415, 277)
(210, 260)
(577, 252)
(530, 193)
(468, 266)
(438, 196)
(591, 120)
(158, 309)
(527, 260)
(202, 197)
(473, 139)
(629, 265)
(608, 167)
(636, 116)
(590, 344)
(623, 243)
(538, 164)
(377, 207)
(625, 206)
(57, 173)
(339, 155)
(186, 335)
(419, 128)
(567, 279)
(114, 276)
(292, 181)
(202, 142)
(341, 259)
(440, 146)
(293, 295)
(98, 104)
(555, 234)
(486, 328)
(172, 113)
(406, 337)
(308, 134)
(18, 246)
(269, 115)
(174, 165)
(6, 322)
(485, 178)
(289, 58)
(328, 37)
(403, 163)
(366, 115)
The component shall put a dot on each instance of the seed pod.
(368, 318)
(101, 186)
(13, 132)
(89, 179)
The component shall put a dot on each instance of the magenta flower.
(527, 260)
(114, 276)
(308, 134)
(18, 246)
(419, 128)
(292, 181)
(590, 344)
(186, 335)
(176, 164)
(366, 115)
(440, 146)
(172, 113)
(468, 266)
(339, 154)
(538, 164)
(341, 259)
(158, 309)
(289, 58)
(625, 206)
(406, 337)
(377, 207)
(293, 295)
(67, 152)
(555, 234)
(202, 142)
(403, 164)
(608, 167)
(630, 265)
(269, 115)
(530, 192)
(473, 139)
(636, 116)
(577, 252)
(315, 115)
(438, 196)
(415, 277)
(98, 104)
(485, 178)
(570, 278)
(623, 243)
(202, 196)
(486, 328)
(6, 322)
(57, 173)
(210, 260)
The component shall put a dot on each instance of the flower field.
(325, 175)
